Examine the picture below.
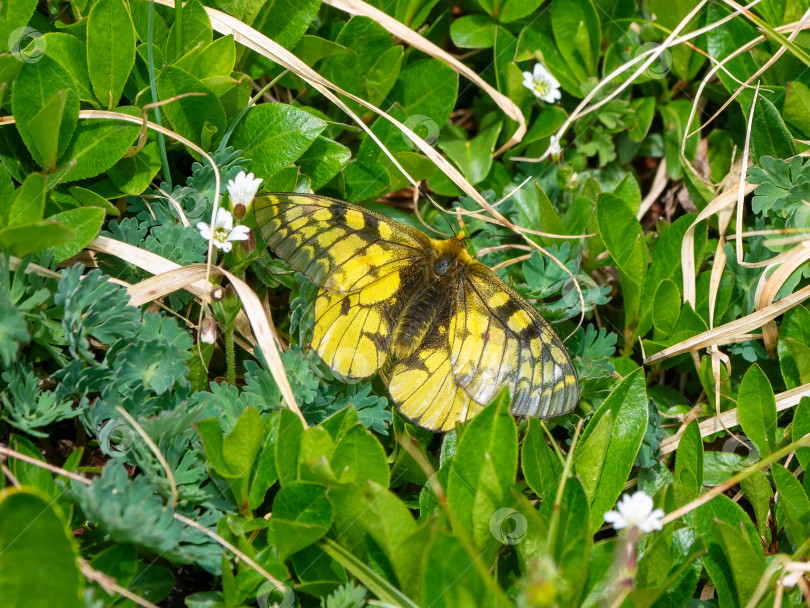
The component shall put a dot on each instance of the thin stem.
(150, 64)
(229, 355)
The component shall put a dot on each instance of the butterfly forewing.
(339, 246)
(377, 275)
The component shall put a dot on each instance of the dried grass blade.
(403, 32)
(730, 418)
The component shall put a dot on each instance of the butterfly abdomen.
(427, 305)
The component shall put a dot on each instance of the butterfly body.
(447, 332)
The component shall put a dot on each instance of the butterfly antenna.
(438, 208)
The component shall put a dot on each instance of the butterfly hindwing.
(426, 391)
(339, 246)
(352, 331)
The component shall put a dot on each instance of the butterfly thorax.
(427, 309)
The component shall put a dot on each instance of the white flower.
(635, 510)
(243, 188)
(542, 84)
(224, 231)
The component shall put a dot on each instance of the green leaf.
(6, 197)
(13, 15)
(110, 49)
(383, 74)
(284, 22)
(364, 181)
(85, 223)
(578, 35)
(119, 561)
(302, 515)
(541, 467)
(371, 512)
(801, 427)
(367, 41)
(133, 174)
(622, 235)
(450, 577)
(746, 567)
(801, 356)
(689, 458)
(473, 32)
(27, 473)
(757, 490)
(71, 53)
(241, 446)
(378, 585)
(33, 238)
(29, 202)
(196, 32)
(724, 41)
(570, 536)
(628, 406)
(793, 500)
(795, 326)
(676, 116)
(275, 135)
(796, 110)
(216, 59)
(96, 146)
(717, 560)
(473, 157)
(323, 160)
(41, 85)
(769, 135)
(44, 124)
(483, 469)
(199, 117)
(359, 457)
(666, 308)
(589, 458)
(512, 10)
(265, 471)
(288, 445)
(756, 407)
(426, 89)
(29, 522)
(645, 111)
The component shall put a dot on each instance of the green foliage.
(354, 504)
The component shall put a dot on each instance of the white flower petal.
(636, 510)
(243, 188)
(240, 233)
(205, 230)
(226, 246)
(224, 220)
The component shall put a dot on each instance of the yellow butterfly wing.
(338, 246)
(499, 339)
(425, 390)
(488, 338)
(358, 258)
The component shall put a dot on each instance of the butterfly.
(443, 330)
